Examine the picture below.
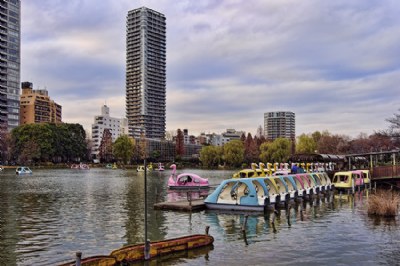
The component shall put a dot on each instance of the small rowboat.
(135, 253)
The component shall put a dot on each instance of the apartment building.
(146, 73)
(280, 125)
(37, 107)
(10, 62)
(104, 121)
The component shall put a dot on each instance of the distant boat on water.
(23, 170)
(80, 166)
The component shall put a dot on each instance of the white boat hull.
(234, 207)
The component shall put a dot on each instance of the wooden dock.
(184, 205)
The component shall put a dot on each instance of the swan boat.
(186, 180)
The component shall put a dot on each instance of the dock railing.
(385, 172)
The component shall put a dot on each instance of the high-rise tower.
(146, 73)
(10, 29)
(280, 125)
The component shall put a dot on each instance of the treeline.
(243, 152)
(247, 150)
(46, 142)
(61, 143)
(67, 143)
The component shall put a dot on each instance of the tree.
(277, 151)
(394, 128)
(234, 153)
(33, 142)
(210, 156)
(359, 145)
(260, 132)
(381, 141)
(264, 154)
(123, 148)
(169, 135)
(53, 142)
(316, 136)
(106, 146)
(180, 148)
(30, 152)
(243, 137)
(394, 121)
(250, 149)
(333, 144)
(305, 144)
(5, 140)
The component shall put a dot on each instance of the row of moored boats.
(258, 190)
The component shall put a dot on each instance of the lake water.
(47, 217)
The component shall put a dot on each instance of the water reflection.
(178, 195)
(181, 257)
(45, 218)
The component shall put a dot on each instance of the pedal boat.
(244, 194)
(367, 178)
(282, 188)
(360, 178)
(325, 180)
(347, 180)
(23, 170)
(317, 182)
(307, 184)
(186, 180)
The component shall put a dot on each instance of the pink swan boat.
(186, 180)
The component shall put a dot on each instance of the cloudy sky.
(334, 63)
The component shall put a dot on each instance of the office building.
(103, 122)
(146, 73)
(10, 39)
(280, 125)
(37, 107)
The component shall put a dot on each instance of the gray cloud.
(334, 63)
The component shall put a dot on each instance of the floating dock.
(184, 205)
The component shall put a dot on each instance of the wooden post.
(147, 250)
(394, 159)
(349, 163)
(78, 258)
(207, 229)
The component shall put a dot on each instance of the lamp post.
(146, 240)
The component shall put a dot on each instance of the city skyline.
(334, 64)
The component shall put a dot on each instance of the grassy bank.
(384, 203)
